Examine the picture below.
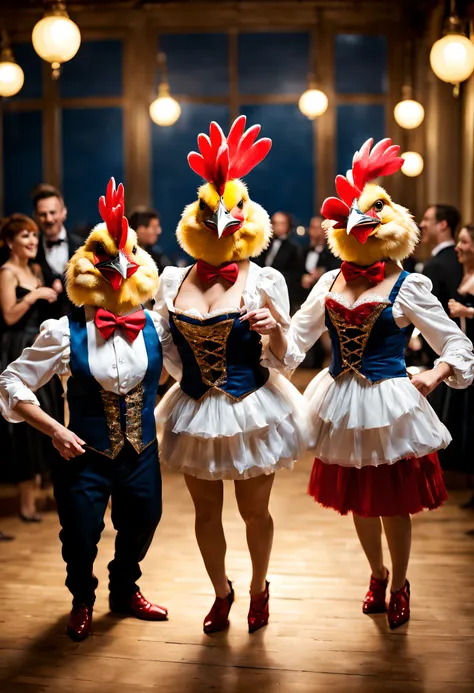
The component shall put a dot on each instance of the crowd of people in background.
(34, 253)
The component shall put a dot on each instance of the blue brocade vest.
(104, 419)
(219, 352)
(374, 348)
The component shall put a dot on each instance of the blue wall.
(270, 65)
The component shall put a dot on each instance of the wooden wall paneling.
(24, 105)
(234, 99)
(402, 189)
(139, 68)
(2, 162)
(326, 124)
(467, 173)
(421, 54)
(443, 127)
(52, 159)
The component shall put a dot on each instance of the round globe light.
(452, 58)
(56, 38)
(313, 103)
(413, 164)
(12, 76)
(409, 114)
(165, 111)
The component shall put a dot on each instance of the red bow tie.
(133, 324)
(207, 273)
(374, 273)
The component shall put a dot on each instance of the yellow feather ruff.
(249, 241)
(394, 239)
(85, 285)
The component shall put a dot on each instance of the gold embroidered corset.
(365, 337)
(218, 353)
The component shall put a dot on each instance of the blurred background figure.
(457, 406)
(285, 255)
(148, 227)
(317, 259)
(438, 229)
(56, 246)
(25, 302)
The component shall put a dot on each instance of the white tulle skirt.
(220, 438)
(356, 424)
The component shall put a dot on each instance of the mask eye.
(134, 250)
(202, 205)
(379, 205)
(240, 204)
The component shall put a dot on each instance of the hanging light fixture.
(164, 110)
(413, 164)
(11, 75)
(56, 38)
(452, 56)
(313, 102)
(408, 113)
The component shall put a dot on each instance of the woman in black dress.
(24, 303)
(458, 414)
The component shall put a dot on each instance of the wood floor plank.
(317, 640)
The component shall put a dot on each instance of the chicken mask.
(224, 225)
(364, 225)
(110, 270)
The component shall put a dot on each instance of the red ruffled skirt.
(403, 488)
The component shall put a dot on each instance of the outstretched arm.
(65, 441)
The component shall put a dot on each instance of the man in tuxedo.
(285, 255)
(317, 257)
(147, 224)
(56, 246)
(438, 228)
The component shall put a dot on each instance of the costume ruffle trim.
(404, 488)
(219, 438)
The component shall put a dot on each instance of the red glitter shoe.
(218, 617)
(79, 622)
(399, 607)
(374, 602)
(259, 611)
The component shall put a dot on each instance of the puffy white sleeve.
(170, 281)
(416, 304)
(272, 291)
(308, 324)
(48, 356)
(171, 358)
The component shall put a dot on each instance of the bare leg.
(369, 531)
(27, 497)
(253, 496)
(208, 499)
(398, 533)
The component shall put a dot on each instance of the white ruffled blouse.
(218, 437)
(117, 364)
(357, 423)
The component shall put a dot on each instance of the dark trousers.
(82, 488)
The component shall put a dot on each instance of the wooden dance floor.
(317, 640)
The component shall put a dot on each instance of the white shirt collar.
(62, 235)
(441, 246)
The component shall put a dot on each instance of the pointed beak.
(359, 224)
(222, 222)
(117, 269)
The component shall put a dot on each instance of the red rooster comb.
(222, 159)
(367, 165)
(111, 207)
